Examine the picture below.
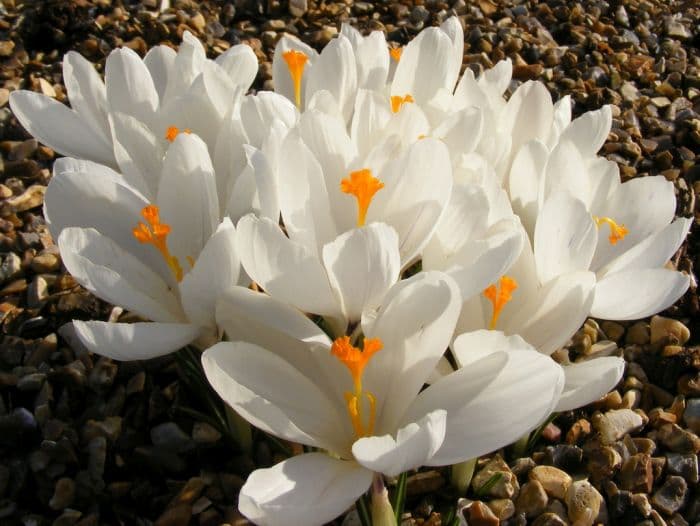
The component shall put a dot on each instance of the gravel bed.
(86, 441)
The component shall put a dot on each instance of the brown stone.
(554, 481)
(636, 474)
(532, 499)
(481, 515)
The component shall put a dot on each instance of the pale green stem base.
(461, 475)
(240, 429)
(382, 512)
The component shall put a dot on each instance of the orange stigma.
(174, 131)
(296, 60)
(356, 360)
(156, 233)
(617, 232)
(397, 102)
(363, 185)
(499, 298)
(395, 53)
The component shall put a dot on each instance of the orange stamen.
(156, 233)
(363, 185)
(397, 102)
(356, 360)
(296, 60)
(499, 298)
(617, 232)
(396, 53)
(174, 131)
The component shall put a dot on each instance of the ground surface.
(84, 440)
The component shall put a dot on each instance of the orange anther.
(617, 231)
(155, 233)
(397, 102)
(499, 298)
(174, 131)
(363, 185)
(395, 53)
(296, 61)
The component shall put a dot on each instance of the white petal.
(497, 78)
(259, 111)
(637, 293)
(265, 182)
(415, 324)
(472, 346)
(285, 494)
(130, 88)
(221, 91)
(362, 264)
(589, 381)
(217, 268)
(335, 71)
(453, 29)
(526, 182)
(241, 65)
(59, 127)
(414, 445)
(109, 272)
(654, 251)
(372, 55)
(160, 62)
(86, 93)
(369, 119)
(491, 402)
(566, 171)
(529, 114)
(461, 131)
(565, 237)
(240, 373)
(285, 269)
(589, 131)
(188, 64)
(187, 197)
(134, 341)
(417, 187)
(550, 317)
(280, 72)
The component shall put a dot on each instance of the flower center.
(356, 360)
(296, 60)
(499, 298)
(156, 233)
(395, 53)
(397, 101)
(363, 186)
(173, 131)
(617, 232)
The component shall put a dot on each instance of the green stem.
(461, 475)
(520, 446)
(382, 512)
(363, 511)
(240, 429)
(399, 499)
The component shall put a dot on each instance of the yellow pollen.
(397, 101)
(363, 185)
(156, 233)
(396, 53)
(356, 360)
(617, 232)
(296, 60)
(174, 131)
(499, 298)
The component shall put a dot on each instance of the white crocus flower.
(366, 407)
(625, 232)
(166, 260)
(127, 120)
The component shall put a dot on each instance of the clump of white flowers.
(385, 213)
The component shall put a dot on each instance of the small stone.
(636, 474)
(179, 515)
(676, 29)
(554, 481)
(45, 263)
(63, 495)
(298, 7)
(505, 485)
(678, 439)
(613, 330)
(170, 437)
(668, 329)
(46, 88)
(6, 48)
(479, 514)
(583, 502)
(31, 382)
(203, 433)
(549, 519)
(670, 497)
(97, 457)
(11, 266)
(527, 71)
(198, 22)
(615, 424)
(580, 429)
(32, 197)
(641, 502)
(503, 508)
(190, 492)
(532, 499)
(684, 465)
(37, 292)
(691, 415)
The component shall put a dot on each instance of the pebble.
(32, 197)
(549, 519)
(554, 481)
(668, 329)
(505, 486)
(532, 499)
(684, 465)
(678, 439)
(170, 437)
(64, 493)
(298, 7)
(45, 263)
(11, 266)
(691, 415)
(636, 473)
(179, 515)
(670, 497)
(503, 508)
(479, 514)
(583, 503)
(615, 424)
(203, 433)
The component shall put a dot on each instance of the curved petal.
(130, 88)
(470, 347)
(637, 293)
(589, 131)
(217, 269)
(241, 65)
(415, 325)
(528, 114)
(285, 494)
(362, 264)
(187, 197)
(160, 61)
(372, 56)
(565, 237)
(273, 395)
(134, 341)
(188, 63)
(114, 275)
(371, 115)
(259, 111)
(285, 269)
(461, 131)
(589, 381)
(86, 93)
(414, 445)
(526, 180)
(59, 127)
(491, 402)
